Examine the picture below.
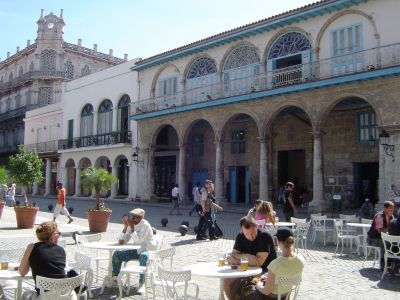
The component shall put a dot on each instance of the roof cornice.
(296, 15)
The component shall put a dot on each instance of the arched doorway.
(84, 163)
(166, 155)
(351, 152)
(291, 157)
(122, 165)
(70, 177)
(104, 162)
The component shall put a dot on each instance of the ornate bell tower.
(50, 27)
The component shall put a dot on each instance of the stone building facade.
(302, 96)
(32, 78)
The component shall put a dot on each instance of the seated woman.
(265, 211)
(289, 264)
(45, 258)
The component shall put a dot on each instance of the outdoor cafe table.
(110, 246)
(211, 269)
(360, 225)
(11, 274)
(281, 224)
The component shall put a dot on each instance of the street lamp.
(384, 140)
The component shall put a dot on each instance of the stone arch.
(157, 75)
(337, 16)
(84, 162)
(186, 128)
(231, 48)
(192, 60)
(272, 41)
(103, 162)
(225, 121)
(269, 119)
(156, 132)
(70, 162)
(121, 163)
(337, 99)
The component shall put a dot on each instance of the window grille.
(367, 127)
(85, 71)
(69, 70)
(48, 60)
(238, 141)
(45, 96)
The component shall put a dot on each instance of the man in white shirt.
(175, 200)
(141, 232)
(196, 199)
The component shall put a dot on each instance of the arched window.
(69, 70)
(48, 60)
(123, 113)
(85, 71)
(87, 121)
(104, 122)
(241, 70)
(200, 80)
(290, 54)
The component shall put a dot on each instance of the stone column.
(115, 119)
(35, 190)
(318, 175)
(219, 171)
(114, 187)
(48, 177)
(263, 168)
(77, 182)
(182, 173)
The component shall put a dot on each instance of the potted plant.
(100, 180)
(26, 169)
(3, 189)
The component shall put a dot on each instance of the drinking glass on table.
(221, 259)
(4, 260)
(244, 264)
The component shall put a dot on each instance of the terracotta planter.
(26, 216)
(2, 203)
(98, 220)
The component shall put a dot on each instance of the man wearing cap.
(141, 232)
(255, 245)
(289, 208)
(60, 206)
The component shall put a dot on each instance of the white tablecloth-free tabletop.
(110, 246)
(211, 269)
(11, 274)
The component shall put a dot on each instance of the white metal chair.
(60, 289)
(369, 248)
(285, 283)
(391, 244)
(93, 253)
(349, 219)
(297, 220)
(301, 233)
(319, 226)
(341, 237)
(172, 280)
(82, 263)
(150, 270)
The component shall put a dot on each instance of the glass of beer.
(221, 259)
(4, 262)
(244, 264)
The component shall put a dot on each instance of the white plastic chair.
(369, 248)
(341, 237)
(172, 280)
(60, 289)
(349, 219)
(319, 226)
(288, 282)
(301, 233)
(82, 263)
(391, 244)
(94, 253)
(150, 270)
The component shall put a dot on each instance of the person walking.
(175, 200)
(60, 206)
(196, 199)
(289, 208)
(11, 193)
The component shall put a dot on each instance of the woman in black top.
(45, 258)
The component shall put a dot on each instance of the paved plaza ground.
(326, 276)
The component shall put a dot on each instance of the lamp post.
(384, 140)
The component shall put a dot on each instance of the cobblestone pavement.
(326, 276)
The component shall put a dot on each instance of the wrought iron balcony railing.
(43, 147)
(111, 138)
(9, 149)
(18, 112)
(357, 62)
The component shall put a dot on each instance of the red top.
(61, 196)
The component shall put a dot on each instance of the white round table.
(211, 269)
(360, 225)
(110, 246)
(11, 274)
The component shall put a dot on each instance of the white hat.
(137, 212)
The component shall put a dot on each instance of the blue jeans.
(127, 255)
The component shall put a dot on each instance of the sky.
(140, 28)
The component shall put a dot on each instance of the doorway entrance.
(164, 175)
(292, 167)
(365, 183)
(239, 179)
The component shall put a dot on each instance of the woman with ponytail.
(288, 264)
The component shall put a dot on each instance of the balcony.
(112, 138)
(43, 147)
(365, 61)
(29, 76)
(9, 149)
(19, 112)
